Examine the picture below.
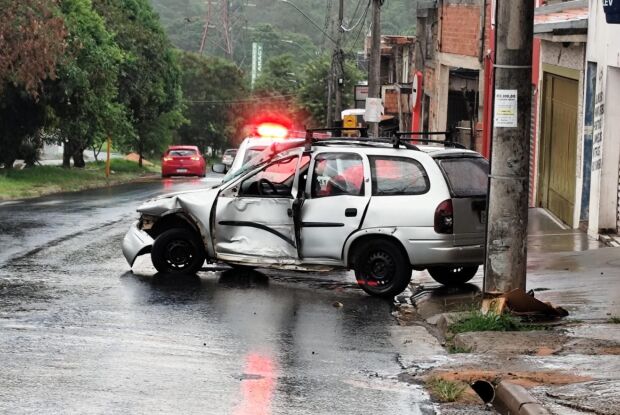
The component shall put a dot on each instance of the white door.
(337, 195)
(254, 220)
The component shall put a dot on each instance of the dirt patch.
(526, 379)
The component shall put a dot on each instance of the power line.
(353, 17)
(361, 29)
(239, 101)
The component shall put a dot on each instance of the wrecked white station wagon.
(379, 208)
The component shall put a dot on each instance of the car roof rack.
(363, 139)
(446, 143)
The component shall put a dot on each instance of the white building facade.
(601, 124)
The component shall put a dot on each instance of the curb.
(513, 399)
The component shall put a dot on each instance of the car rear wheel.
(178, 251)
(381, 269)
(452, 276)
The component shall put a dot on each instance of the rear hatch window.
(182, 153)
(466, 176)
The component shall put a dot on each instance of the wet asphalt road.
(81, 333)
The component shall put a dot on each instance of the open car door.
(253, 219)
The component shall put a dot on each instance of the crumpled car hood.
(188, 201)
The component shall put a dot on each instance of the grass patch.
(445, 390)
(41, 180)
(454, 349)
(476, 321)
(614, 320)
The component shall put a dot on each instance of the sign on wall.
(612, 11)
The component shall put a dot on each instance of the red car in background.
(183, 161)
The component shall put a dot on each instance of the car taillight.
(444, 217)
(168, 158)
(195, 158)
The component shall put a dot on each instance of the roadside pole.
(506, 248)
(338, 72)
(107, 160)
(374, 64)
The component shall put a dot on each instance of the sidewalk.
(572, 366)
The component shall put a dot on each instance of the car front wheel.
(453, 276)
(178, 251)
(381, 269)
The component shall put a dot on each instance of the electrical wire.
(349, 29)
(239, 101)
(352, 45)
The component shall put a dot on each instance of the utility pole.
(374, 64)
(334, 85)
(337, 61)
(506, 249)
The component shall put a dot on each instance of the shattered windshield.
(268, 154)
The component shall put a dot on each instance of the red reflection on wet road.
(257, 386)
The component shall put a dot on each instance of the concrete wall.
(604, 50)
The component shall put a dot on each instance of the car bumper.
(443, 252)
(183, 170)
(136, 243)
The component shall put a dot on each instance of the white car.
(229, 156)
(335, 203)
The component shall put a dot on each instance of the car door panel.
(325, 225)
(254, 221)
(329, 217)
(255, 227)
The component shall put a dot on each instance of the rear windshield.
(230, 152)
(467, 176)
(181, 153)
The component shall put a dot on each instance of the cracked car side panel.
(253, 226)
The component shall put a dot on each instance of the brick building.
(453, 39)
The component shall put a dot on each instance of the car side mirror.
(218, 168)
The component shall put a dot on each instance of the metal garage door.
(558, 146)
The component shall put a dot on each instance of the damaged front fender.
(136, 243)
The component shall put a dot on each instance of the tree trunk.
(78, 157)
(66, 154)
(140, 150)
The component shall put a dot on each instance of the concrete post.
(374, 64)
(506, 253)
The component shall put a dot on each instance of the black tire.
(178, 251)
(381, 268)
(453, 276)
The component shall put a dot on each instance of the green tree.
(149, 80)
(83, 99)
(279, 76)
(208, 85)
(313, 88)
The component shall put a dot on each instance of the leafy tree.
(83, 99)
(313, 88)
(32, 41)
(208, 85)
(278, 76)
(149, 80)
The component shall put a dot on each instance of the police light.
(272, 130)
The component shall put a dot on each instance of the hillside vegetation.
(184, 21)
